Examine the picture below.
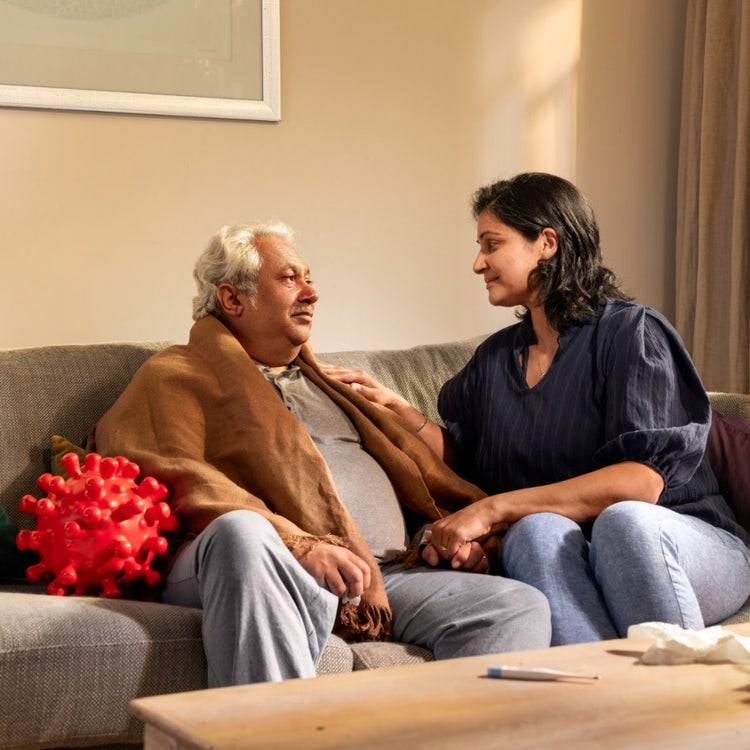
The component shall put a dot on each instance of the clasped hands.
(346, 574)
(467, 555)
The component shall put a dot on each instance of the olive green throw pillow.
(61, 446)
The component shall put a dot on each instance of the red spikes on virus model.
(97, 531)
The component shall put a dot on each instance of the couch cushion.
(743, 615)
(70, 665)
(336, 657)
(728, 451)
(373, 655)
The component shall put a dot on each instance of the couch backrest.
(64, 390)
(52, 390)
(731, 404)
(416, 373)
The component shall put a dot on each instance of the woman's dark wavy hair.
(573, 282)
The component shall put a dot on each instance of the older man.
(291, 487)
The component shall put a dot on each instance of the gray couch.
(69, 665)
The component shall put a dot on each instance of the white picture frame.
(263, 41)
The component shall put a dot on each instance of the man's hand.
(469, 557)
(338, 569)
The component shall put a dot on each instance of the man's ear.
(228, 299)
(549, 242)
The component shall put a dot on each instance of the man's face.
(281, 314)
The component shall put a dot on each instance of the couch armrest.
(731, 404)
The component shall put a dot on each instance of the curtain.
(713, 194)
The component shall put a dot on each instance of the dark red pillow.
(728, 451)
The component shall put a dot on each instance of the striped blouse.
(621, 387)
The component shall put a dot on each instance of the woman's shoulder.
(628, 329)
(617, 315)
(620, 311)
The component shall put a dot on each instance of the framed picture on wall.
(190, 58)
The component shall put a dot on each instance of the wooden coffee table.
(452, 704)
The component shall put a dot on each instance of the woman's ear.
(228, 299)
(549, 242)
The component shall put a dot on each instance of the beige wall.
(393, 112)
(628, 137)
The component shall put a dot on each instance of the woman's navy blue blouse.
(621, 387)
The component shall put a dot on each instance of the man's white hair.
(232, 257)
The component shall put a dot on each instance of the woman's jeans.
(644, 563)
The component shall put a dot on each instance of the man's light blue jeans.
(644, 563)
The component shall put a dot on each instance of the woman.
(586, 424)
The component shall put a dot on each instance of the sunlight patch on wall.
(528, 74)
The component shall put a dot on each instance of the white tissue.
(355, 600)
(674, 645)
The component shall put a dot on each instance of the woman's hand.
(452, 533)
(365, 384)
(470, 557)
(361, 382)
(580, 498)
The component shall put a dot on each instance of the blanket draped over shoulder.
(203, 419)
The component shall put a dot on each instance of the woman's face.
(505, 260)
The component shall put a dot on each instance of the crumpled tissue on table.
(675, 645)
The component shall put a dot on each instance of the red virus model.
(97, 531)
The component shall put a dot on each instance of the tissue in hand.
(675, 645)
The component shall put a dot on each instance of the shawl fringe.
(364, 622)
(299, 546)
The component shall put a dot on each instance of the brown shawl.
(203, 419)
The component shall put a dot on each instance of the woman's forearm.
(362, 382)
(580, 498)
(584, 497)
(431, 432)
